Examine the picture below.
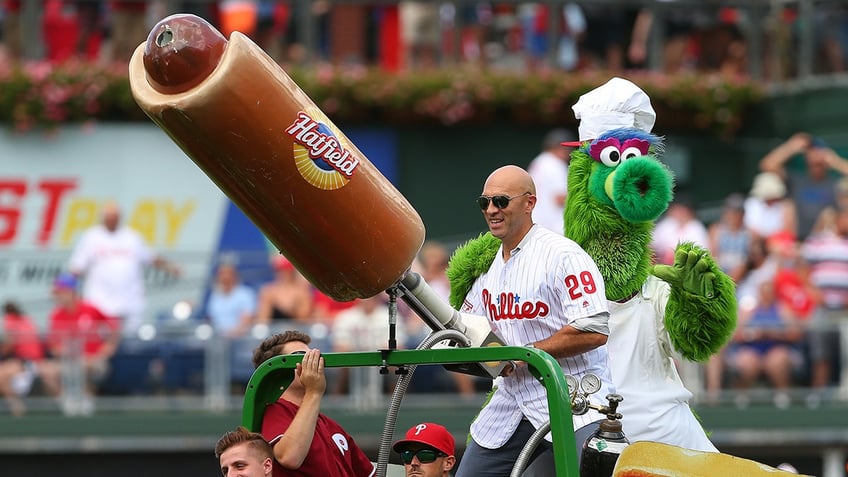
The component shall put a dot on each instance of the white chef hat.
(616, 104)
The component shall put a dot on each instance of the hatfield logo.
(321, 159)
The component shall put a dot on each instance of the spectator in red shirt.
(128, 27)
(78, 330)
(22, 359)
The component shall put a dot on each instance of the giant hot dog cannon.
(276, 155)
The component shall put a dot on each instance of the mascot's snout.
(640, 189)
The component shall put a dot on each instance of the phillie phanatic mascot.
(616, 190)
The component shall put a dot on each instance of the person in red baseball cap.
(427, 451)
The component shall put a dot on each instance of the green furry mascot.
(616, 190)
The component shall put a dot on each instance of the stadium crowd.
(575, 36)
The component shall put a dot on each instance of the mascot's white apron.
(655, 406)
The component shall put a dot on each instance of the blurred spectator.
(767, 209)
(679, 224)
(729, 239)
(831, 37)
(827, 254)
(549, 171)
(474, 20)
(128, 27)
(91, 28)
(433, 259)
(11, 28)
(420, 33)
(722, 46)
(80, 333)
(321, 12)
(364, 327)
(238, 15)
(792, 283)
(326, 308)
(759, 269)
(679, 27)
(287, 297)
(812, 190)
(111, 260)
(432, 264)
(767, 343)
(826, 221)
(71, 29)
(232, 305)
(271, 22)
(608, 32)
(570, 25)
(23, 360)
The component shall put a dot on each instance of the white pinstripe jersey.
(548, 282)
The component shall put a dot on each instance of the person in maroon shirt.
(306, 442)
(79, 330)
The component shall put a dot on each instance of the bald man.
(111, 260)
(541, 291)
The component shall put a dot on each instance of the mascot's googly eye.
(610, 156)
(606, 151)
(630, 153)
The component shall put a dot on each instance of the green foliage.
(44, 95)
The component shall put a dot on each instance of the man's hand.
(689, 271)
(311, 372)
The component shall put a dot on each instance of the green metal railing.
(275, 375)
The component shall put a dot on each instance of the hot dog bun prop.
(652, 459)
(277, 156)
(257, 135)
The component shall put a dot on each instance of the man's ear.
(449, 462)
(267, 466)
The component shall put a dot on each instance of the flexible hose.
(398, 393)
(528, 449)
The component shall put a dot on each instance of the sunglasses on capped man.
(500, 201)
(425, 456)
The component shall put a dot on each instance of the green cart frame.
(273, 376)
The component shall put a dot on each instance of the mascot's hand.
(690, 272)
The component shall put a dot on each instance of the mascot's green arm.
(469, 261)
(701, 312)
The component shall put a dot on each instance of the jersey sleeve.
(580, 286)
(473, 303)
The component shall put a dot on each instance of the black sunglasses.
(500, 201)
(425, 456)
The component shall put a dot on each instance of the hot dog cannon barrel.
(262, 140)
